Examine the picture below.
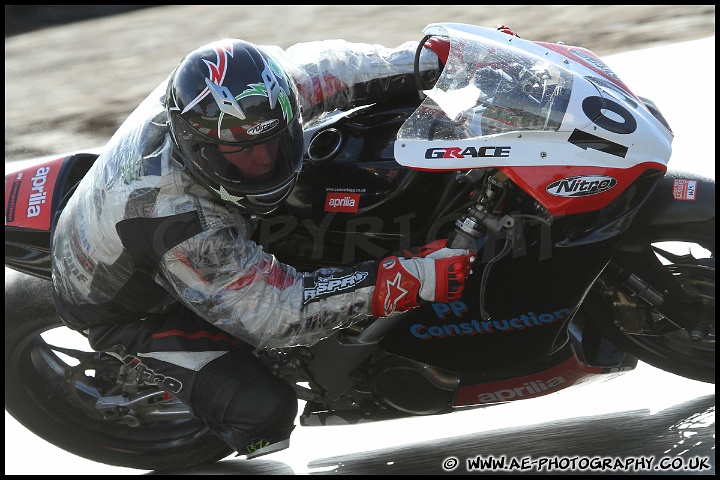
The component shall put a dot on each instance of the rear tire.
(56, 401)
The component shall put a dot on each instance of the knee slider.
(266, 405)
(262, 414)
(244, 402)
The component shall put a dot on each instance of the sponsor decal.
(527, 389)
(388, 263)
(472, 152)
(684, 189)
(262, 127)
(27, 202)
(481, 327)
(581, 186)
(38, 195)
(170, 384)
(595, 62)
(342, 202)
(325, 286)
(565, 374)
(256, 445)
(12, 197)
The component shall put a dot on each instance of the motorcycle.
(534, 154)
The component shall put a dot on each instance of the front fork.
(669, 304)
(484, 217)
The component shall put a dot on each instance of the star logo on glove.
(395, 291)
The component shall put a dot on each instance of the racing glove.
(441, 47)
(505, 29)
(435, 273)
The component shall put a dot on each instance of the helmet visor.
(246, 165)
(267, 201)
(251, 168)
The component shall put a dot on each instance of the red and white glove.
(435, 273)
(505, 29)
(441, 46)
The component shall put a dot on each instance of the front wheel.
(52, 389)
(640, 330)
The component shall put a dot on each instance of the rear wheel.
(52, 389)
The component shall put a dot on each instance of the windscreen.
(487, 88)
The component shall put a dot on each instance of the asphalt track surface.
(645, 422)
(640, 418)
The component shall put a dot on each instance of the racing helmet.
(235, 123)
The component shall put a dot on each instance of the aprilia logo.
(581, 186)
(526, 390)
(37, 197)
(342, 202)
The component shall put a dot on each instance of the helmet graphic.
(234, 118)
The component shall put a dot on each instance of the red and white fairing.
(555, 119)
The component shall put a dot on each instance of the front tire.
(55, 399)
(690, 260)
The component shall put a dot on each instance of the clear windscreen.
(488, 88)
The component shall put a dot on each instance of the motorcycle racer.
(152, 257)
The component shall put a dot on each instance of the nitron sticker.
(581, 186)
